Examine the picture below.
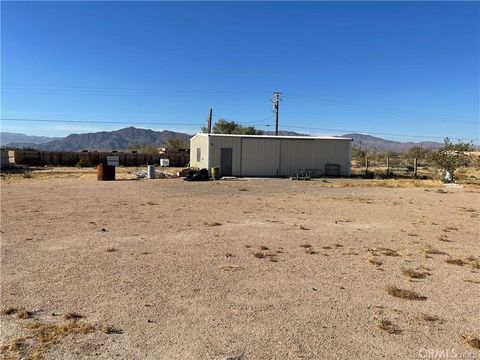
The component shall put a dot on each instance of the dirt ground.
(245, 269)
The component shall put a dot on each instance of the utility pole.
(209, 126)
(276, 106)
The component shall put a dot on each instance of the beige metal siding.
(199, 142)
(314, 154)
(219, 142)
(260, 157)
(257, 156)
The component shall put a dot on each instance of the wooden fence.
(67, 158)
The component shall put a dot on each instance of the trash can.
(105, 172)
(215, 172)
(151, 172)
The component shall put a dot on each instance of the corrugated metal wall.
(260, 157)
(256, 156)
(314, 154)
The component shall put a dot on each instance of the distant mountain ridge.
(113, 140)
(15, 139)
(123, 138)
(107, 140)
(370, 143)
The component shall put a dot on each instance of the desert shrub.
(358, 153)
(451, 156)
(84, 162)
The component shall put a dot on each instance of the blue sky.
(375, 67)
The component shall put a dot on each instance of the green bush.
(84, 162)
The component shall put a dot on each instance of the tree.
(143, 148)
(358, 153)
(177, 143)
(451, 156)
(418, 152)
(223, 126)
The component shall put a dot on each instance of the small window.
(199, 154)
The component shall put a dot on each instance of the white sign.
(112, 161)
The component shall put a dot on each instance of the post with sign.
(107, 172)
(113, 161)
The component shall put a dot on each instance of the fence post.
(388, 166)
(366, 166)
(415, 167)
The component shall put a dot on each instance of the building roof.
(277, 137)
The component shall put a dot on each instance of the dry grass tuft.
(151, 203)
(243, 189)
(303, 227)
(326, 247)
(472, 341)
(472, 281)
(403, 293)
(444, 238)
(431, 250)
(263, 247)
(42, 337)
(374, 261)
(388, 326)
(449, 228)
(230, 268)
(458, 262)
(429, 318)
(475, 265)
(111, 249)
(389, 252)
(14, 348)
(310, 251)
(259, 255)
(24, 314)
(215, 223)
(108, 329)
(414, 274)
(72, 316)
(338, 245)
(305, 246)
(9, 311)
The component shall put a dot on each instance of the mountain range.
(123, 138)
(370, 143)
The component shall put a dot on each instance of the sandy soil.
(257, 269)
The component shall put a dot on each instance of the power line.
(98, 88)
(220, 117)
(99, 122)
(376, 133)
(397, 113)
(260, 125)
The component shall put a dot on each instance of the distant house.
(261, 155)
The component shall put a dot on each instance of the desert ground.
(240, 269)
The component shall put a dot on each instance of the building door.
(226, 161)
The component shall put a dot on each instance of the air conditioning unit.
(164, 162)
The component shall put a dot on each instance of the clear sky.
(375, 67)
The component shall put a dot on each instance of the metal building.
(261, 155)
